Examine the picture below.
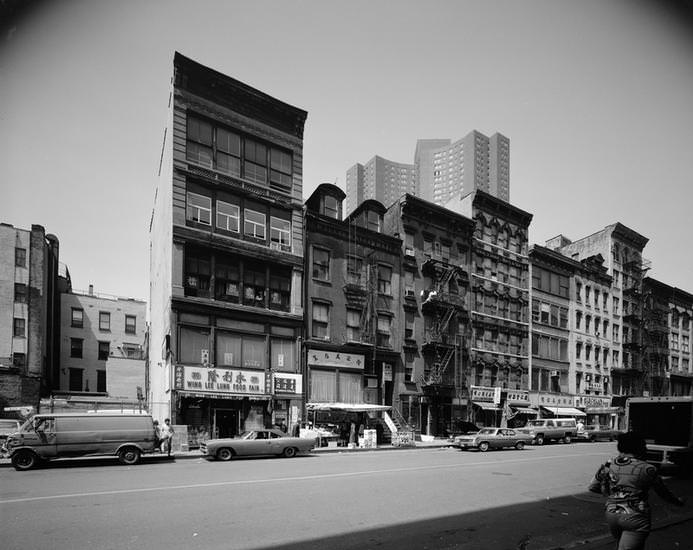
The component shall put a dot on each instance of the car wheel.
(24, 460)
(539, 440)
(483, 446)
(567, 439)
(225, 454)
(289, 452)
(129, 456)
(520, 445)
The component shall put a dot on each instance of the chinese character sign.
(220, 380)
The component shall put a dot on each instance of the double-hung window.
(280, 170)
(199, 209)
(330, 207)
(77, 319)
(321, 264)
(280, 233)
(199, 145)
(384, 323)
(130, 324)
(228, 152)
(19, 327)
(321, 321)
(254, 224)
(228, 216)
(255, 161)
(354, 270)
(104, 321)
(385, 280)
(353, 324)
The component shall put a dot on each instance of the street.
(419, 498)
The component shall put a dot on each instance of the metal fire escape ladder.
(435, 375)
(368, 312)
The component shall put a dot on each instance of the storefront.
(599, 410)
(220, 402)
(486, 410)
(520, 410)
(288, 400)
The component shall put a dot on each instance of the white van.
(62, 435)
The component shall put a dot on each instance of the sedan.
(595, 432)
(257, 443)
(493, 438)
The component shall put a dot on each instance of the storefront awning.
(603, 410)
(486, 406)
(351, 407)
(525, 410)
(564, 411)
(212, 395)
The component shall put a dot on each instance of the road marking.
(285, 479)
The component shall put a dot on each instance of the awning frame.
(564, 411)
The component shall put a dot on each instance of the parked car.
(596, 432)
(7, 426)
(49, 436)
(493, 438)
(550, 429)
(257, 443)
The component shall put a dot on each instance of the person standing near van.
(626, 482)
(167, 436)
(157, 435)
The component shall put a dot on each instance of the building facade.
(226, 237)
(29, 315)
(353, 337)
(432, 395)
(102, 346)
(379, 179)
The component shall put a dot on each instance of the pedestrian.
(626, 482)
(157, 435)
(580, 426)
(167, 436)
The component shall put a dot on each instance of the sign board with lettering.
(518, 397)
(287, 383)
(486, 394)
(336, 359)
(219, 380)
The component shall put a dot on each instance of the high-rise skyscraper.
(379, 179)
(442, 170)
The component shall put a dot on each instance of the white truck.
(666, 423)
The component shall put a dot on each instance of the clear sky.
(596, 97)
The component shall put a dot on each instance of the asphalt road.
(533, 499)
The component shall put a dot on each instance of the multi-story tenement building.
(29, 315)
(226, 239)
(470, 163)
(353, 325)
(621, 248)
(667, 337)
(499, 354)
(379, 179)
(101, 351)
(435, 302)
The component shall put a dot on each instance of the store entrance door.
(225, 422)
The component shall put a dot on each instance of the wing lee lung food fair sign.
(219, 380)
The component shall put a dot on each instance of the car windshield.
(535, 423)
(487, 431)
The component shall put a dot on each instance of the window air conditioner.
(409, 252)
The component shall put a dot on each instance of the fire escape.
(360, 293)
(637, 338)
(443, 305)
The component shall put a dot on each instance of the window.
(428, 247)
(132, 351)
(76, 347)
(385, 280)
(283, 355)
(194, 345)
(353, 324)
(227, 282)
(19, 328)
(280, 233)
(254, 224)
(75, 382)
(197, 273)
(199, 209)
(321, 264)
(280, 170)
(228, 217)
(409, 324)
(18, 360)
(374, 221)
(321, 321)
(354, 270)
(104, 350)
(130, 324)
(384, 323)
(685, 343)
(228, 152)
(20, 293)
(104, 321)
(77, 319)
(409, 244)
(330, 207)
(199, 143)
(20, 257)
(255, 161)
(409, 367)
(578, 292)
(254, 283)
(280, 290)
(101, 381)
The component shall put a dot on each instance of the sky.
(596, 97)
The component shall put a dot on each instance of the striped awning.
(564, 411)
(486, 406)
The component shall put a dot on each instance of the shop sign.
(219, 380)
(486, 394)
(288, 383)
(387, 372)
(593, 401)
(336, 359)
(518, 397)
(549, 400)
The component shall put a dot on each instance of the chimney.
(91, 290)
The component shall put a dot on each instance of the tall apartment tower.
(379, 179)
(475, 162)
(226, 241)
(423, 160)
(29, 315)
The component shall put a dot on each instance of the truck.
(666, 424)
